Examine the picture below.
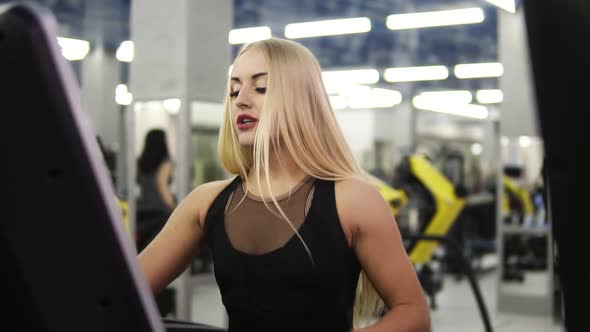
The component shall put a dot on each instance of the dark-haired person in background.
(155, 202)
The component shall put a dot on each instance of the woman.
(155, 202)
(292, 231)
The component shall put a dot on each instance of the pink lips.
(246, 122)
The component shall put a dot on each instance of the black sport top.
(282, 290)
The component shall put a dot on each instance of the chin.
(247, 144)
(246, 140)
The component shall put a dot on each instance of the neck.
(284, 175)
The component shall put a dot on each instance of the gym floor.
(457, 310)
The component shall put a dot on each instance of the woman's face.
(249, 78)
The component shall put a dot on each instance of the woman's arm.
(172, 250)
(162, 181)
(380, 250)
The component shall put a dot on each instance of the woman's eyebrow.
(255, 76)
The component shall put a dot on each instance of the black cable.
(466, 269)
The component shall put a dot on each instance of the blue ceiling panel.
(382, 48)
(106, 22)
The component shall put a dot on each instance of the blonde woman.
(292, 232)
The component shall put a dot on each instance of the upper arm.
(378, 243)
(172, 249)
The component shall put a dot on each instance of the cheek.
(233, 111)
(259, 104)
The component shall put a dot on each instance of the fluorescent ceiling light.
(449, 97)
(73, 49)
(338, 102)
(363, 97)
(126, 51)
(248, 35)
(172, 105)
(413, 74)
(375, 98)
(337, 81)
(465, 110)
(507, 5)
(434, 19)
(469, 111)
(335, 87)
(328, 28)
(477, 70)
(354, 90)
(492, 96)
(122, 95)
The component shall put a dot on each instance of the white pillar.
(518, 108)
(100, 74)
(181, 51)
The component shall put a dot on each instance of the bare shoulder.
(359, 203)
(352, 185)
(203, 196)
(354, 193)
(213, 186)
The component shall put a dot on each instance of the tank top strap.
(217, 208)
(324, 208)
(324, 201)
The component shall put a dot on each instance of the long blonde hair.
(296, 116)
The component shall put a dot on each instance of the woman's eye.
(261, 90)
(234, 93)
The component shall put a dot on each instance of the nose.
(242, 100)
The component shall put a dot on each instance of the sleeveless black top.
(283, 290)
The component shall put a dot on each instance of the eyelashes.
(234, 94)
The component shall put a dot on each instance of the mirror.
(526, 278)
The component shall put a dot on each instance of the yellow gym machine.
(520, 195)
(448, 203)
(522, 250)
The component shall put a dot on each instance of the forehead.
(250, 62)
